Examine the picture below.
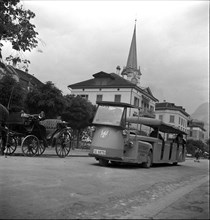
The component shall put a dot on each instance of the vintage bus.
(121, 139)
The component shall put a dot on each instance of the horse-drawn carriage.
(34, 135)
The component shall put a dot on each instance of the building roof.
(110, 80)
(28, 77)
(24, 78)
(170, 106)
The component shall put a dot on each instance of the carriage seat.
(50, 125)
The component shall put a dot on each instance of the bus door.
(173, 151)
(157, 150)
(165, 153)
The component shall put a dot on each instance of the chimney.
(118, 70)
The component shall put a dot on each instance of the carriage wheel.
(41, 149)
(30, 145)
(11, 145)
(63, 144)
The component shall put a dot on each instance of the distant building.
(119, 88)
(26, 80)
(172, 114)
(196, 130)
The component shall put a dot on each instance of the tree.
(78, 113)
(12, 94)
(15, 25)
(47, 98)
(206, 148)
(192, 145)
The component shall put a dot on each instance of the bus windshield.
(109, 115)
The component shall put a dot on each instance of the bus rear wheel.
(148, 163)
(103, 162)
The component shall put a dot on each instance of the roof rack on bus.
(155, 123)
(120, 104)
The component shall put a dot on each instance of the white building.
(119, 88)
(196, 130)
(172, 114)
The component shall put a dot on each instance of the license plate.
(100, 152)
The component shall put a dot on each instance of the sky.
(81, 38)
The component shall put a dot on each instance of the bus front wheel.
(148, 163)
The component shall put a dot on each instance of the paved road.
(77, 187)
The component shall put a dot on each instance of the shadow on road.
(46, 155)
(134, 166)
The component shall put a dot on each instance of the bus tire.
(148, 163)
(175, 163)
(103, 162)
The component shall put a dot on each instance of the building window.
(152, 108)
(136, 102)
(117, 98)
(161, 117)
(171, 119)
(99, 98)
(84, 96)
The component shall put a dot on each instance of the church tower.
(130, 70)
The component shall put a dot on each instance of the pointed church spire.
(131, 70)
(132, 57)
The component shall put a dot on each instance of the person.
(4, 114)
(197, 155)
(156, 134)
(179, 139)
(23, 114)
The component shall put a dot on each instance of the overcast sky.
(81, 38)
